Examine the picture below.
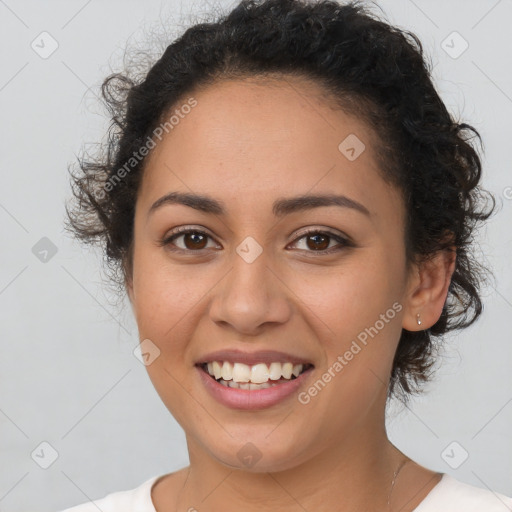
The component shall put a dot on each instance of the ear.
(427, 290)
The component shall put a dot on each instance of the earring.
(418, 319)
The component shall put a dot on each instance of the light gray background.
(68, 375)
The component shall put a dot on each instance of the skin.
(246, 144)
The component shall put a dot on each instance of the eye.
(190, 240)
(321, 242)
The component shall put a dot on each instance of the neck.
(351, 474)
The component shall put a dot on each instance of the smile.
(252, 386)
(258, 376)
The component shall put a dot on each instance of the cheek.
(162, 300)
(355, 313)
(164, 294)
(166, 300)
(351, 297)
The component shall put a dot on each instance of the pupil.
(320, 242)
(195, 238)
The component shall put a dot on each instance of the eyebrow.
(280, 207)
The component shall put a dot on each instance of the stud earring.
(418, 319)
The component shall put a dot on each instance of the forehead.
(265, 138)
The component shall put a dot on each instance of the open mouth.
(253, 377)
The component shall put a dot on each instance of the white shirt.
(448, 495)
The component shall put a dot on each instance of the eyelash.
(344, 242)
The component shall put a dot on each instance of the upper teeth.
(258, 373)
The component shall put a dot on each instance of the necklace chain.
(395, 475)
(403, 463)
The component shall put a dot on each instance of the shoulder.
(452, 495)
(133, 500)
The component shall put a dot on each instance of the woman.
(290, 207)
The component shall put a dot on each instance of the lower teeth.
(246, 385)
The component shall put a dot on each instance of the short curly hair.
(376, 71)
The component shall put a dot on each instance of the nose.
(250, 296)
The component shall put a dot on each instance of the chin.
(258, 454)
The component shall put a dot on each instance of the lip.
(251, 358)
(252, 399)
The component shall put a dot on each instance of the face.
(265, 276)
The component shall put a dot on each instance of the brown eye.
(322, 242)
(194, 240)
(187, 240)
(318, 242)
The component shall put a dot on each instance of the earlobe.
(428, 290)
